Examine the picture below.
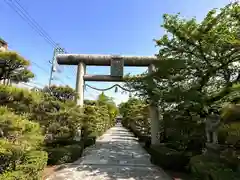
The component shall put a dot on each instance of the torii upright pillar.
(154, 117)
(81, 68)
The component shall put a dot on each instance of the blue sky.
(124, 27)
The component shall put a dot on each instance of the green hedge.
(64, 154)
(162, 155)
(230, 134)
(209, 168)
(34, 163)
(168, 158)
(38, 113)
(20, 139)
(30, 168)
(14, 175)
(89, 141)
(59, 118)
(66, 151)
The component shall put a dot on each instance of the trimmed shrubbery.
(20, 144)
(181, 154)
(37, 129)
(64, 154)
(211, 168)
(168, 155)
(168, 158)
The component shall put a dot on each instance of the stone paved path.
(116, 156)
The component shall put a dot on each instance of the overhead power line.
(44, 70)
(20, 11)
(23, 13)
(46, 35)
(28, 19)
(33, 63)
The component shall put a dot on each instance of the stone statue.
(211, 127)
(78, 135)
(49, 137)
(1, 133)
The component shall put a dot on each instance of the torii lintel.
(104, 60)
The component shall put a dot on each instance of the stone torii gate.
(117, 64)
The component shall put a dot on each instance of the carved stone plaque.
(117, 65)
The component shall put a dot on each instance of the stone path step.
(117, 155)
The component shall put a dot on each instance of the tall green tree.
(62, 93)
(135, 115)
(23, 75)
(14, 68)
(198, 61)
(104, 100)
(197, 67)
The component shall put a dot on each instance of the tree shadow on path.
(117, 158)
